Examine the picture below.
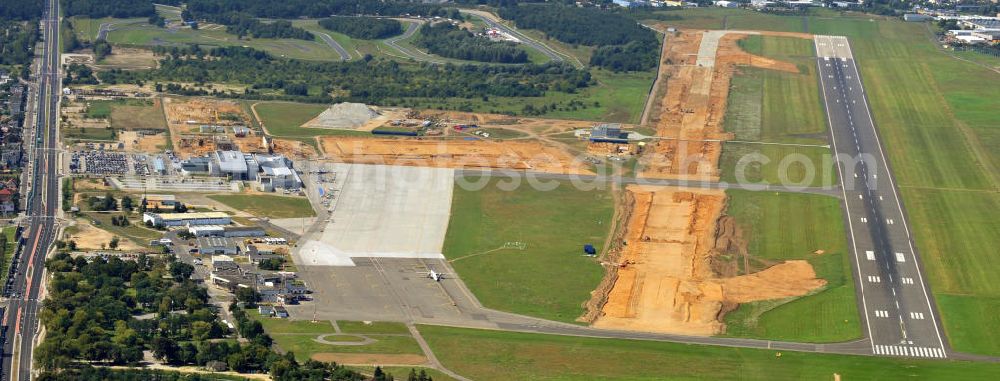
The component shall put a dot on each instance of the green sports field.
(796, 226)
(549, 276)
(497, 355)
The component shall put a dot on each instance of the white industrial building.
(277, 173)
(272, 172)
(186, 219)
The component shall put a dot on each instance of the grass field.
(777, 107)
(617, 97)
(297, 336)
(551, 277)
(400, 372)
(284, 119)
(497, 355)
(794, 226)
(136, 32)
(937, 119)
(266, 205)
(7, 252)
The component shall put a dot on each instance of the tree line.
(287, 9)
(111, 8)
(622, 44)
(21, 9)
(365, 28)
(448, 40)
(242, 24)
(370, 80)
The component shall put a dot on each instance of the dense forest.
(365, 28)
(108, 311)
(622, 44)
(20, 9)
(287, 9)
(374, 81)
(91, 312)
(448, 40)
(111, 8)
(17, 42)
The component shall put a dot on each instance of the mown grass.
(498, 355)
(937, 120)
(266, 205)
(551, 277)
(782, 227)
(298, 337)
(132, 32)
(777, 107)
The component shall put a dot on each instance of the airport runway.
(898, 313)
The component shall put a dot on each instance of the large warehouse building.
(187, 219)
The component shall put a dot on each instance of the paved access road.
(895, 301)
(344, 55)
(43, 199)
(488, 19)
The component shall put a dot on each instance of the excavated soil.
(690, 116)
(667, 277)
(521, 155)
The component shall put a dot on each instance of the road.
(898, 313)
(492, 23)
(43, 199)
(411, 29)
(344, 55)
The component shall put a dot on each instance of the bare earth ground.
(184, 116)
(89, 237)
(690, 118)
(668, 276)
(146, 143)
(522, 155)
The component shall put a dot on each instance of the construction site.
(199, 126)
(688, 121)
(678, 263)
(682, 265)
(519, 155)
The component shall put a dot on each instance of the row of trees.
(365, 28)
(20, 9)
(369, 80)
(288, 9)
(111, 8)
(622, 44)
(448, 40)
(242, 24)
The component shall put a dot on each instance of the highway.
(898, 314)
(43, 199)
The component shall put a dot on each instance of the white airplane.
(436, 276)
